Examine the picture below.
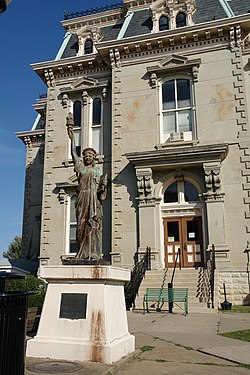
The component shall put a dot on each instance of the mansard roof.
(117, 25)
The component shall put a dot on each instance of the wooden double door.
(183, 242)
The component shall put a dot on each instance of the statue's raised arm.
(70, 124)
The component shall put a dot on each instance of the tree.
(14, 249)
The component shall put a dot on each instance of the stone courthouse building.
(161, 90)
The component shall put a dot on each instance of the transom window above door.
(176, 110)
(181, 192)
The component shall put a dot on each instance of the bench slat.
(162, 295)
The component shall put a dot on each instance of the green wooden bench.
(162, 295)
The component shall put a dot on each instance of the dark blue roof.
(141, 22)
(208, 10)
(240, 6)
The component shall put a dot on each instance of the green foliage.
(14, 249)
(146, 348)
(31, 283)
(238, 335)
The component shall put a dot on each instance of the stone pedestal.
(84, 315)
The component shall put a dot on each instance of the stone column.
(148, 216)
(214, 200)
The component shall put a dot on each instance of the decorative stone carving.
(49, 76)
(213, 182)
(115, 58)
(65, 100)
(171, 8)
(145, 183)
(246, 41)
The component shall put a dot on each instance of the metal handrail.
(175, 264)
(170, 285)
(213, 267)
(131, 288)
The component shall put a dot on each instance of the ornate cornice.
(178, 157)
(32, 138)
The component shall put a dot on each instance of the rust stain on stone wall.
(97, 336)
(224, 102)
(133, 115)
(97, 272)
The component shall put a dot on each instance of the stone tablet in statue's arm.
(102, 187)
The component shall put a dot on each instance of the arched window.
(77, 113)
(96, 133)
(77, 116)
(190, 192)
(171, 193)
(97, 111)
(181, 19)
(72, 225)
(163, 23)
(181, 192)
(88, 46)
(176, 107)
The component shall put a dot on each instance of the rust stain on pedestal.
(97, 272)
(97, 336)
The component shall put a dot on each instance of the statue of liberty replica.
(91, 190)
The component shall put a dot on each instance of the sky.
(30, 32)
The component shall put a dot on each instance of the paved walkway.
(172, 344)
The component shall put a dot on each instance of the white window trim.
(189, 135)
(68, 225)
(91, 126)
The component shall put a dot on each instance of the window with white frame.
(181, 192)
(176, 109)
(96, 135)
(163, 23)
(72, 225)
(88, 46)
(181, 19)
(77, 116)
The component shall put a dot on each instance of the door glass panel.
(173, 231)
(193, 231)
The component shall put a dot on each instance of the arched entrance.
(182, 223)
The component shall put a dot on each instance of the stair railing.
(131, 288)
(212, 267)
(170, 285)
(159, 302)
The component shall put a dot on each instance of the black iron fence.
(91, 11)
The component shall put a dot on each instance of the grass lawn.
(240, 309)
(239, 335)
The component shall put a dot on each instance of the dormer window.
(181, 19)
(88, 47)
(163, 23)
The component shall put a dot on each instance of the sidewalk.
(172, 344)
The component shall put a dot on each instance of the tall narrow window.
(97, 125)
(181, 19)
(72, 225)
(176, 107)
(163, 23)
(77, 115)
(88, 46)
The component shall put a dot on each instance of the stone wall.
(237, 288)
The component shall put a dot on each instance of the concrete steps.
(194, 279)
